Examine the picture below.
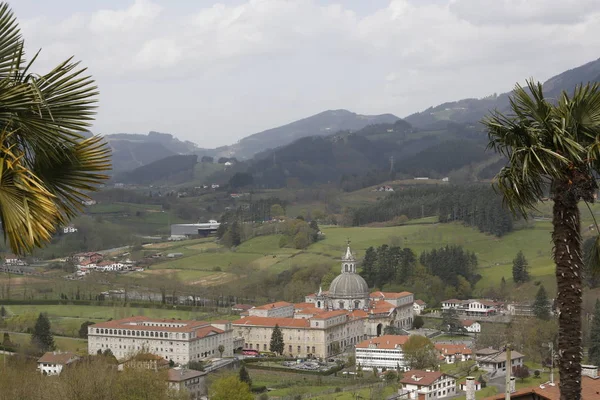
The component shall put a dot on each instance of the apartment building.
(381, 352)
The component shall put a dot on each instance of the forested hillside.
(477, 205)
(174, 168)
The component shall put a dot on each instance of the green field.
(62, 343)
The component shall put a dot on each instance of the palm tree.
(556, 146)
(46, 166)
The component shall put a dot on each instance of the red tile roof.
(207, 331)
(57, 357)
(273, 305)
(421, 378)
(420, 302)
(590, 390)
(467, 322)
(330, 314)
(137, 323)
(271, 322)
(384, 342)
(452, 349)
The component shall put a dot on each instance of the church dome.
(348, 286)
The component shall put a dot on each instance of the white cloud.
(226, 71)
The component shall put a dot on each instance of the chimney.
(589, 370)
(470, 388)
(512, 386)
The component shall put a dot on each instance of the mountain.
(321, 124)
(472, 110)
(130, 151)
(174, 169)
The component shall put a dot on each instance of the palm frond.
(74, 170)
(11, 44)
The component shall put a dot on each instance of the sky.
(215, 72)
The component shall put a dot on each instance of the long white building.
(177, 340)
(382, 352)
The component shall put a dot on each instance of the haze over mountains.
(335, 143)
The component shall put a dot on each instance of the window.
(290, 348)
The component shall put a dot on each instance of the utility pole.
(508, 364)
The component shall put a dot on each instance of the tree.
(47, 166)
(240, 180)
(207, 159)
(2, 312)
(245, 376)
(553, 145)
(519, 269)
(277, 344)
(196, 365)
(230, 388)
(521, 372)
(594, 350)
(83, 330)
(277, 211)
(418, 322)
(42, 337)
(221, 349)
(6, 340)
(450, 321)
(420, 353)
(541, 305)
(368, 266)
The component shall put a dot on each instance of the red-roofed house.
(193, 382)
(452, 353)
(471, 326)
(381, 352)
(239, 308)
(419, 306)
(431, 384)
(177, 340)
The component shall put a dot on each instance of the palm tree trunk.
(567, 256)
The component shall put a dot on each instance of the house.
(281, 309)
(419, 384)
(69, 229)
(88, 202)
(381, 352)
(194, 382)
(228, 163)
(525, 308)
(53, 362)
(419, 306)
(214, 186)
(590, 388)
(174, 255)
(472, 307)
(91, 257)
(494, 361)
(452, 353)
(446, 179)
(384, 188)
(471, 326)
(14, 260)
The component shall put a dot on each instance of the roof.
(330, 314)
(452, 301)
(348, 285)
(182, 374)
(590, 390)
(273, 305)
(476, 382)
(390, 295)
(421, 378)
(304, 306)
(384, 342)
(139, 321)
(420, 302)
(207, 331)
(453, 348)
(57, 357)
(381, 307)
(467, 322)
(271, 322)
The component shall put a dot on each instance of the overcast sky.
(213, 72)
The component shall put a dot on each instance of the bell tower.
(348, 261)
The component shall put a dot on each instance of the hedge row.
(298, 371)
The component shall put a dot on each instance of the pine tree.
(2, 312)
(541, 306)
(42, 336)
(245, 376)
(277, 344)
(520, 272)
(368, 266)
(594, 350)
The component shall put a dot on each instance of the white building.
(53, 362)
(471, 326)
(381, 352)
(476, 308)
(280, 309)
(419, 384)
(494, 361)
(419, 306)
(177, 340)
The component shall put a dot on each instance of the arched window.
(356, 304)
